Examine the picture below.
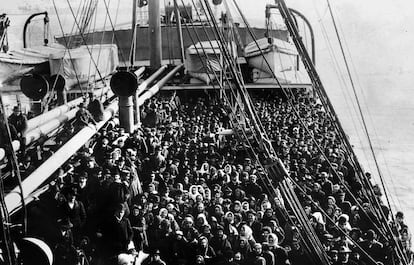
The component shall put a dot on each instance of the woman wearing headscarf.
(243, 247)
(193, 192)
(229, 229)
(343, 223)
(207, 196)
(281, 255)
(245, 234)
(205, 250)
(200, 222)
(217, 212)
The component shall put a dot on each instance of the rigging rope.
(369, 113)
(68, 50)
(362, 116)
(316, 80)
(113, 31)
(343, 86)
(256, 158)
(309, 133)
(333, 221)
(256, 125)
(50, 98)
(84, 41)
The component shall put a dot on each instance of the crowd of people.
(184, 193)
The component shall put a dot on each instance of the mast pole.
(133, 32)
(179, 30)
(155, 40)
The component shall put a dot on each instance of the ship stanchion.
(125, 85)
(126, 113)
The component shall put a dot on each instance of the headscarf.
(274, 241)
(193, 192)
(318, 217)
(248, 232)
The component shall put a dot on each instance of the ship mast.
(133, 32)
(155, 34)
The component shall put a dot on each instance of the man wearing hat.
(116, 233)
(228, 258)
(64, 251)
(220, 243)
(83, 117)
(18, 122)
(118, 191)
(74, 210)
(65, 231)
(343, 256)
(178, 251)
(374, 248)
(156, 258)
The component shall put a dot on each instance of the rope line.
(364, 122)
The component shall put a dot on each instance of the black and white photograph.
(206, 132)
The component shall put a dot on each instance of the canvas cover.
(73, 64)
(276, 45)
(83, 63)
(204, 54)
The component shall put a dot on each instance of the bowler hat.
(65, 223)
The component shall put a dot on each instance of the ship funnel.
(34, 86)
(124, 84)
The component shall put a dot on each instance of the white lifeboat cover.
(84, 62)
(205, 53)
(277, 45)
